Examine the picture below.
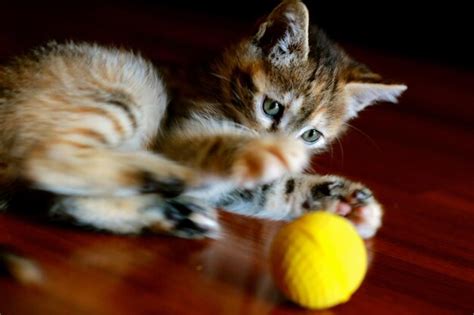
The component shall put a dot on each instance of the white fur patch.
(122, 215)
(361, 95)
(372, 220)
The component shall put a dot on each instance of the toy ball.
(318, 260)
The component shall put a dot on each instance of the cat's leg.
(181, 216)
(292, 196)
(243, 159)
(67, 168)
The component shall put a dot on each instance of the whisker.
(237, 96)
(310, 168)
(220, 76)
(331, 151)
(342, 151)
(364, 134)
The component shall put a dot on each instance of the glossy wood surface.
(417, 156)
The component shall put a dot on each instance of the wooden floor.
(417, 156)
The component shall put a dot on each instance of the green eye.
(311, 136)
(272, 108)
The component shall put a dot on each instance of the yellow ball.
(318, 260)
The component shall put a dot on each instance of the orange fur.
(89, 121)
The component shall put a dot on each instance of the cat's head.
(289, 78)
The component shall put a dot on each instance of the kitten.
(126, 148)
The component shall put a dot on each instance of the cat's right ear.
(283, 36)
(364, 87)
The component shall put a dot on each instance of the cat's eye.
(311, 136)
(272, 108)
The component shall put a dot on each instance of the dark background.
(440, 32)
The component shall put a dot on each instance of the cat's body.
(99, 128)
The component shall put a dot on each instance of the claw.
(361, 195)
(190, 218)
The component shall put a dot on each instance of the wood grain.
(417, 156)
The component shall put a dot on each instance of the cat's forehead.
(289, 83)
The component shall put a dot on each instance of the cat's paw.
(186, 217)
(266, 159)
(349, 199)
(181, 216)
(166, 178)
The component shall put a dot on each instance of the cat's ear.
(283, 36)
(364, 88)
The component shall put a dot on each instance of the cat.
(127, 148)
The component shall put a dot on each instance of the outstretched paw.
(266, 159)
(351, 200)
(188, 218)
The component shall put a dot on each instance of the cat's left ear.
(283, 36)
(364, 88)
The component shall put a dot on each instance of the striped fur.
(96, 126)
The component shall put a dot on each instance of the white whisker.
(220, 76)
(342, 151)
(363, 134)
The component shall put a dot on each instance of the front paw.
(351, 200)
(186, 217)
(266, 159)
